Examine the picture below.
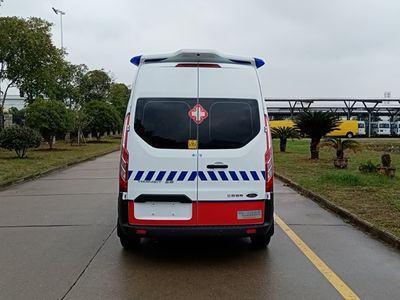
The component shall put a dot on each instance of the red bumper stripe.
(208, 213)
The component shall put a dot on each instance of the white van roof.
(197, 55)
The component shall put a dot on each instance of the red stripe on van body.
(222, 213)
(226, 213)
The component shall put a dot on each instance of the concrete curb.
(366, 226)
(54, 169)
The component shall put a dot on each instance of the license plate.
(163, 211)
(249, 214)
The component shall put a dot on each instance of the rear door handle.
(217, 165)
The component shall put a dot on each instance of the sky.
(312, 48)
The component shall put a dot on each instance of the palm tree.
(284, 133)
(316, 124)
(340, 146)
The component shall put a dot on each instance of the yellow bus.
(347, 128)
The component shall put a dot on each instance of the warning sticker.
(198, 114)
(192, 144)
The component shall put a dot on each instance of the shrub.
(19, 139)
(368, 167)
(50, 117)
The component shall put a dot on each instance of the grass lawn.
(372, 197)
(42, 159)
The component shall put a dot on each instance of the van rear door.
(162, 162)
(232, 146)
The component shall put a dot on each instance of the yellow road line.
(332, 278)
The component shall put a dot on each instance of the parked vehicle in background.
(361, 128)
(347, 128)
(196, 153)
(380, 128)
(281, 123)
(395, 128)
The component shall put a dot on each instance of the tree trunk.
(339, 154)
(314, 148)
(282, 145)
(1, 119)
(51, 142)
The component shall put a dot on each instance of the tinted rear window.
(231, 123)
(165, 122)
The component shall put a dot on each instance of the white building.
(14, 101)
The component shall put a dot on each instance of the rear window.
(384, 125)
(166, 123)
(231, 123)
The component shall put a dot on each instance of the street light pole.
(61, 13)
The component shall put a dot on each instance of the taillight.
(124, 160)
(269, 164)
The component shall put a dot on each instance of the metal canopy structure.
(341, 106)
(347, 107)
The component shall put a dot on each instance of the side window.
(164, 122)
(231, 123)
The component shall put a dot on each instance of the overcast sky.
(312, 48)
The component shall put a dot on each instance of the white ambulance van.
(196, 153)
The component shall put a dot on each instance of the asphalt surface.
(58, 240)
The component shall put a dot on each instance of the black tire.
(128, 243)
(261, 241)
(349, 135)
(131, 243)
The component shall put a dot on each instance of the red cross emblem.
(198, 114)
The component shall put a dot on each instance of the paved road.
(58, 240)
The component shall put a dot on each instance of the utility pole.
(61, 14)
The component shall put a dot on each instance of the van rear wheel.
(261, 241)
(130, 243)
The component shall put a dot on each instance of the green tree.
(340, 146)
(18, 116)
(79, 122)
(119, 98)
(284, 133)
(26, 56)
(65, 87)
(103, 118)
(316, 124)
(50, 118)
(94, 86)
(19, 139)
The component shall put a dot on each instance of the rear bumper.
(192, 231)
(129, 230)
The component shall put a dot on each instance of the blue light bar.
(136, 60)
(259, 62)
